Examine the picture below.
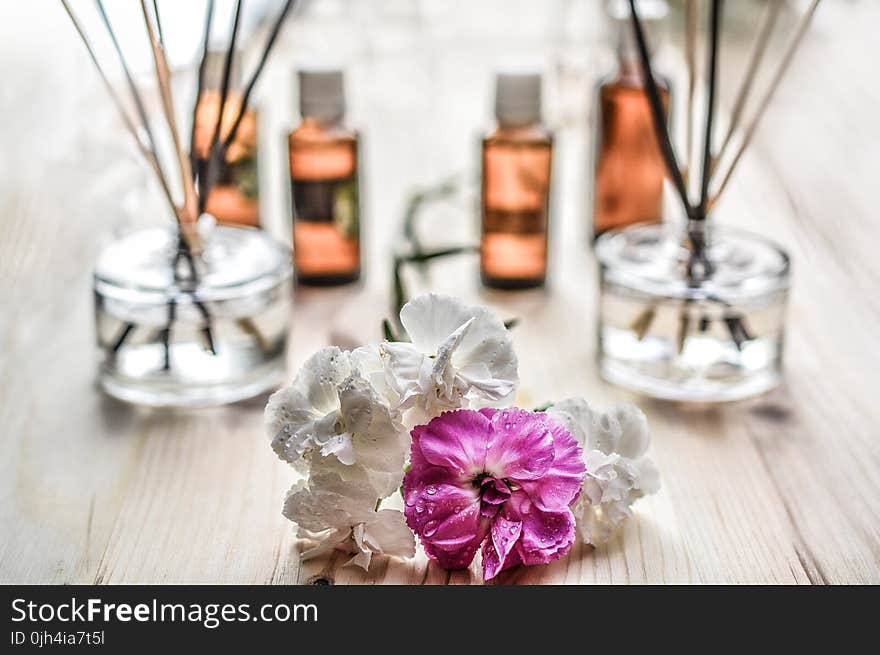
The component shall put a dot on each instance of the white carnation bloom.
(618, 473)
(333, 410)
(339, 513)
(458, 356)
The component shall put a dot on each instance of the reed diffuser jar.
(670, 334)
(696, 314)
(168, 339)
(195, 315)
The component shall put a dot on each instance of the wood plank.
(781, 489)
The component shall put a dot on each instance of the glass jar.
(668, 335)
(166, 338)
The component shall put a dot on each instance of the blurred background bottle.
(516, 164)
(324, 181)
(234, 195)
(627, 163)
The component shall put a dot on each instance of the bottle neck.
(322, 122)
(517, 126)
(629, 69)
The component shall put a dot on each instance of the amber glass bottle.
(516, 164)
(324, 183)
(628, 166)
(233, 198)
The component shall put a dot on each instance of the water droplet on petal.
(430, 528)
(430, 490)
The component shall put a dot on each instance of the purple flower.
(503, 479)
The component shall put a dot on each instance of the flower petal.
(545, 535)
(483, 359)
(363, 555)
(521, 447)
(356, 402)
(498, 548)
(456, 441)
(304, 414)
(326, 541)
(560, 485)
(382, 446)
(634, 434)
(377, 439)
(575, 414)
(370, 362)
(444, 515)
(648, 481)
(340, 446)
(599, 474)
(328, 501)
(387, 533)
(443, 375)
(405, 365)
(430, 318)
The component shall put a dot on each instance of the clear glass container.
(670, 336)
(165, 339)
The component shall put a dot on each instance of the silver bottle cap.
(321, 94)
(518, 98)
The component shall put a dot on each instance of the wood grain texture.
(784, 488)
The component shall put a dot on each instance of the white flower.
(618, 474)
(333, 410)
(458, 356)
(339, 513)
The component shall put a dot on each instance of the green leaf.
(388, 331)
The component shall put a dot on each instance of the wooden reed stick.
(691, 60)
(189, 211)
(748, 80)
(144, 149)
(658, 115)
(206, 179)
(132, 87)
(200, 86)
(712, 67)
(752, 126)
(273, 35)
(159, 23)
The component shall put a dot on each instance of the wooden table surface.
(784, 488)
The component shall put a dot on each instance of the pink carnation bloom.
(501, 478)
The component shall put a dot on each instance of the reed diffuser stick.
(245, 98)
(215, 159)
(145, 150)
(132, 87)
(200, 84)
(748, 80)
(189, 213)
(699, 266)
(712, 67)
(752, 126)
(658, 115)
(691, 19)
(159, 23)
